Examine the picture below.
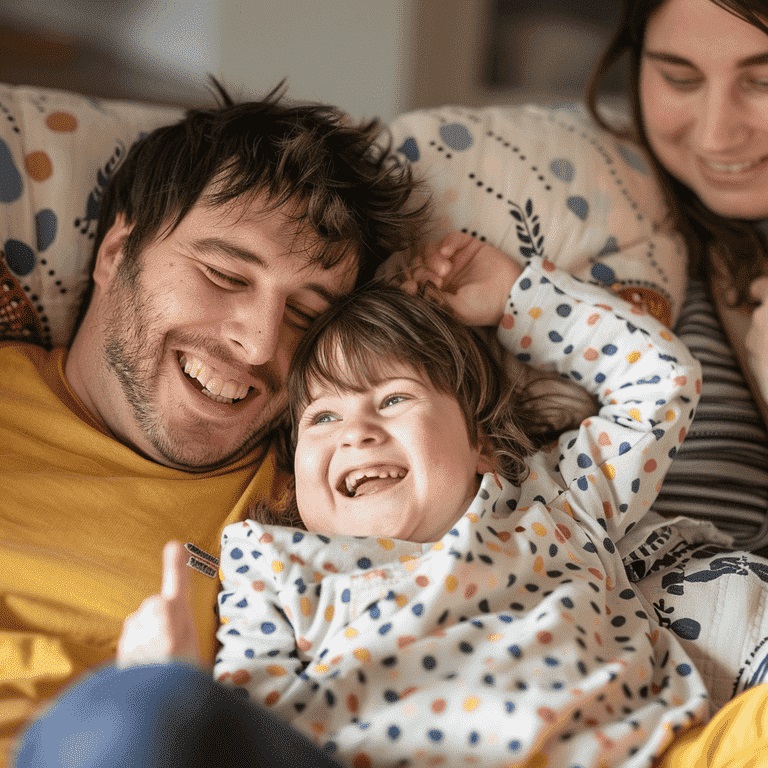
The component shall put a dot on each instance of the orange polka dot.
(422, 581)
(405, 640)
(597, 574)
(607, 510)
(362, 760)
(241, 677)
(306, 606)
(470, 591)
(303, 644)
(507, 321)
(297, 559)
(38, 165)
(592, 319)
(697, 386)
(276, 670)
(591, 354)
(548, 266)
(650, 465)
(439, 706)
(258, 586)
(526, 342)
(330, 567)
(682, 434)
(544, 637)
(681, 381)
(266, 538)
(353, 703)
(272, 698)
(61, 122)
(564, 531)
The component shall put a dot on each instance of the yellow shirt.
(83, 520)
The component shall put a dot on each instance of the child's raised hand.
(471, 276)
(163, 628)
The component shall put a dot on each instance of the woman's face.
(704, 98)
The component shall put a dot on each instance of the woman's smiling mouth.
(364, 482)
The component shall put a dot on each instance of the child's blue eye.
(324, 418)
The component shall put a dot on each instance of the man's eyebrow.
(671, 58)
(225, 248)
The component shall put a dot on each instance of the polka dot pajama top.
(517, 638)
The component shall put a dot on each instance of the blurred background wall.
(370, 57)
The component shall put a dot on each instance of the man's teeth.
(213, 383)
(358, 476)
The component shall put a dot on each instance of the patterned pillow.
(57, 151)
(546, 180)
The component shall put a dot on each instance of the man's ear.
(111, 251)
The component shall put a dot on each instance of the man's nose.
(254, 328)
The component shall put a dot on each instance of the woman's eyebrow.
(671, 58)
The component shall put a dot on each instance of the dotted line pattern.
(10, 118)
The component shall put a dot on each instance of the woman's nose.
(722, 122)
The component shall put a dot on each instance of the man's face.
(197, 336)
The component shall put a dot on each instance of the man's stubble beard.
(130, 357)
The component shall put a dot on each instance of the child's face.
(394, 460)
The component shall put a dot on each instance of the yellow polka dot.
(362, 654)
(472, 517)
(539, 529)
(350, 632)
(495, 637)
(568, 509)
(224, 620)
(633, 357)
(276, 670)
(61, 122)
(321, 668)
(538, 564)
(438, 545)
(278, 566)
(670, 415)
(666, 335)
(471, 703)
(451, 583)
(306, 606)
(635, 414)
(609, 471)
(386, 543)
(38, 165)
(535, 312)
(401, 601)
(328, 614)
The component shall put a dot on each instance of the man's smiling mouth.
(211, 383)
(363, 482)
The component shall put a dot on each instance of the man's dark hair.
(338, 180)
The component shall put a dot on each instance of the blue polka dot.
(433, 734)
(374, 612)
(418, 609)
(611, 246)
(564, 310)
(391, 696)
(19, 257)
(624, 447)
(515, 650)
(267, 627)
(384, 628)
(563, 169)
(603, 274)
(583, 461)
(456, 136)
(249, 653)
(509, 707)
(555, 336)
(579, 206)
(633, 159)
(242, 604)
(600, 378)
(410, 149)
(364, 562)
(45, 227)
(635, 485)
(683, 670)
(582, 483)
(242, 569)
(11, 183)
(393, 732)
(236, 553)
(346, 596)
(297, 537)
(514, 745)
(474, 738)
(609, 349)
(525, 284)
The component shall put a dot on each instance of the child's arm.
(646, 381)
(258, 645)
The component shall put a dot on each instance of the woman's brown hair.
(738, 242)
